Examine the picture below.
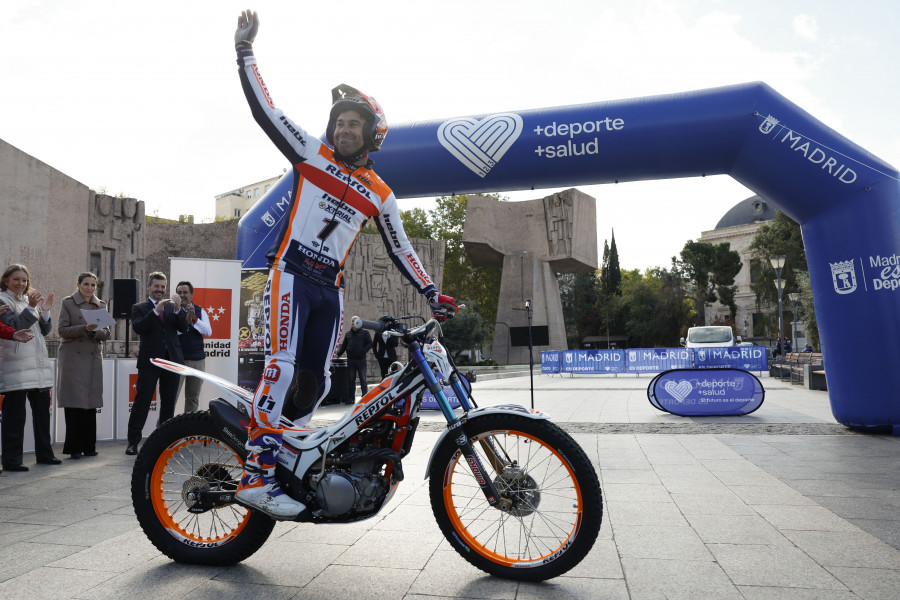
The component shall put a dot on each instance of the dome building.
(738, 226)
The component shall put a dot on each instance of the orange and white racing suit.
(330, 204)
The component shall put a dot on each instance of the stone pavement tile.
(119, 554)
(636, 492)
(90, 531)
(886, 531)
(403, 549)
(653, 514)
(751, 592)
(809, 518)
(280, 563)
(660, 543)
(830, 486)
(846, 549)
(677, 579)
(772, 566)
(10, 533)
(340, 534)
(862, 508)
(48, 583)
(601, 562)
(628, 476)
(735, 529)
(757, 478)
(342, 582)
(235, 590)
(726, 503)
(780, 494)
(696, 483)
(21, 557)
(617, 463)
(76, 512)
(566, 588)
(870, 584)
(11, 514)
(410, 517)
(446, 574)
(729, 465)
(159, 578)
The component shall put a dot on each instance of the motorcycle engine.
(339, 493)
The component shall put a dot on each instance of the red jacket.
(6, 332)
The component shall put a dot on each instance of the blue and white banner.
(550, 361)
(593, 361)
(429, 402)
(654, 360)
(748, 358)
(706, 392)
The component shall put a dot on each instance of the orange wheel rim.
(190, 464)
(506, 539)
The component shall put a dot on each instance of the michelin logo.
(480, 144)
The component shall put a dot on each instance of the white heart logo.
(679, 390)
(480, 145)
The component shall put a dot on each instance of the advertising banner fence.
(653, 360)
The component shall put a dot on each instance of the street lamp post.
(794, 297)
(778, 264)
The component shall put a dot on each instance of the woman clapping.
(25, 369)
(79, 388)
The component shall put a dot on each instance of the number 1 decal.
(330, 226)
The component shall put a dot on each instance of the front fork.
(455, 425)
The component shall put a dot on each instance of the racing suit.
(330, 204)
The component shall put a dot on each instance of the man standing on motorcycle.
(335, 193)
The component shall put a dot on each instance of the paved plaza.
(782, 503)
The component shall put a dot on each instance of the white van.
(710, 336)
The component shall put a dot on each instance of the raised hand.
(23, 335)
(47, 303)
(248, 25)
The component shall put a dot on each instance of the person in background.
(807, 348)
(357, 342)
(79, 370)
(192, 345)
(25, 369)
(385, 350)
(158, 320)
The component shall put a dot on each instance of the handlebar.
(395, 328)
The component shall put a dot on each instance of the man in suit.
(157, 320)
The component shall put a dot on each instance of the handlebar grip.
(376, 326)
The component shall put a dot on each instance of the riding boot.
(258, 488)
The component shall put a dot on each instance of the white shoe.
(272, 500)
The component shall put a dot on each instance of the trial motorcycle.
(513, 493)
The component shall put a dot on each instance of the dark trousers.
(81, 430)
(13, 426)
(385, 364)
(146, 384)
(357, 366)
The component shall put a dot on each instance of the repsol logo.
(357, 186)
(195, 544)
(370, 410)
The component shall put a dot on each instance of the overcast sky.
(143, 98)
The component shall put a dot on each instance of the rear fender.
(505, 409)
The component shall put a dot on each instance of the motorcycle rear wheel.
(556, 507)
(183, 456)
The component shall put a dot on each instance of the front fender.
(508, 409)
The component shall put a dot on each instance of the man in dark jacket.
(385, 349)
(356, 343)
(158, 320)
(199, 327)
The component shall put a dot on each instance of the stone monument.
(533, 240)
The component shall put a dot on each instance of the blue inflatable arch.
(846, 200)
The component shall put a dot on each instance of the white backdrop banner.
(217, 285)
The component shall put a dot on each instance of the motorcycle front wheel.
(556, 505)
(182, 458)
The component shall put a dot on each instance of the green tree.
(466, 331)
(610, 272)
(415, 224)
(712, 269)
(580, 296)
(462, 279)
(780, 237)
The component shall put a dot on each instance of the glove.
(442, 307)
(248, 25)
